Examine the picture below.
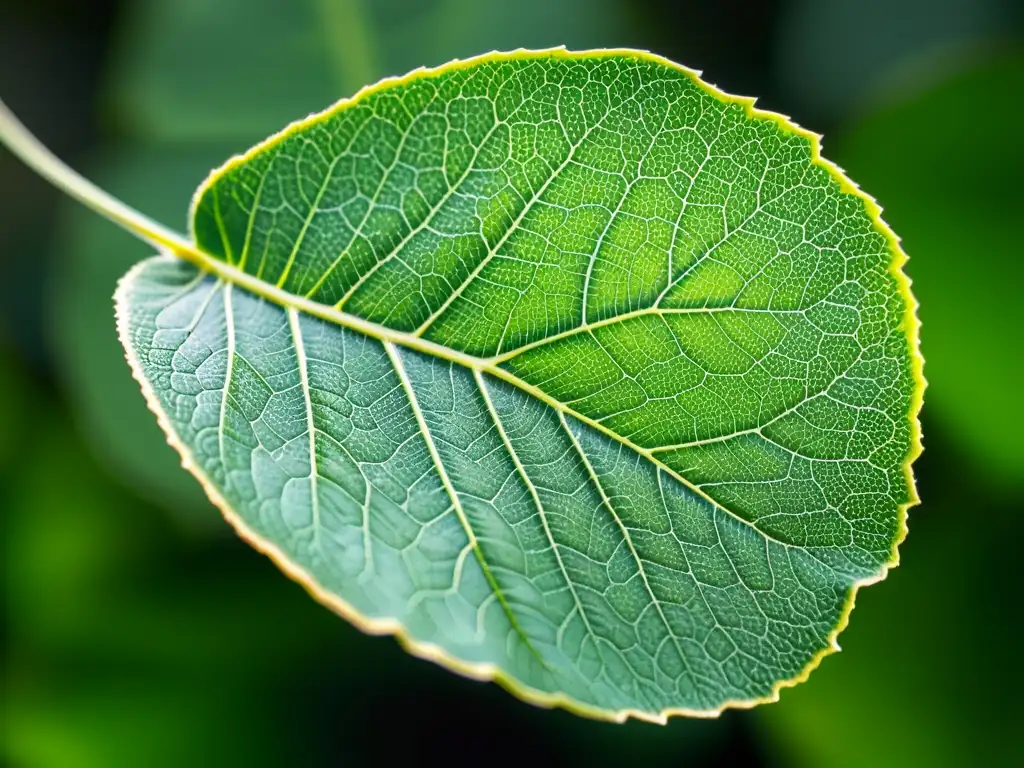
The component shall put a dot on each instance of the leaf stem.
(36, 156)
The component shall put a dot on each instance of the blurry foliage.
(836, 57)
(134, 639)
(192, 70)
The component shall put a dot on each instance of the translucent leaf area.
(568, 369)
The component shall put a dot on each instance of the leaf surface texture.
(567, 368)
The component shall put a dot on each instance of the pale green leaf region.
(568, 369)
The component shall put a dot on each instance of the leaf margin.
(489, 672)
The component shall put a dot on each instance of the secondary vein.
(392, 337)
(537, 502)
(606, 502)
(403, 377)
(229, 319)
(300, 355)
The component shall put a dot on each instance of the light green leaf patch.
(568, 369)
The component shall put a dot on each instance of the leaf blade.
(834, 575)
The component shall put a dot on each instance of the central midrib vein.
(48, 165)
(287, 300)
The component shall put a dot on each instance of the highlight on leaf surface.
(568, 369)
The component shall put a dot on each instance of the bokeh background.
(138, 630)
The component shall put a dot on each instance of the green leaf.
(566, 368)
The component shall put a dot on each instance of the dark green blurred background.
(138, 631)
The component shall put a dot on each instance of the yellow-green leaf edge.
(490, 672)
